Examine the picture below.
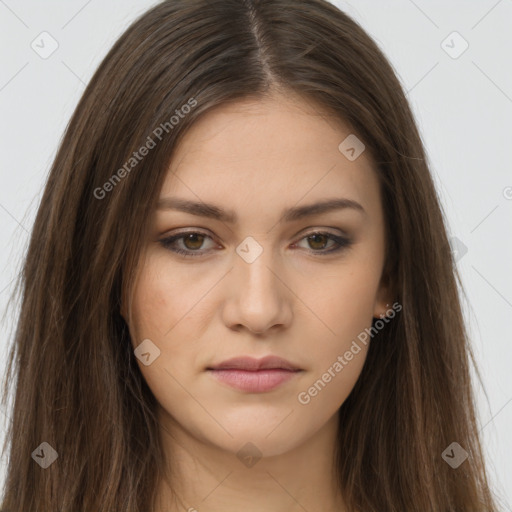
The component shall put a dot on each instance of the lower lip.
(254, 381)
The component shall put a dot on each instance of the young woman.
(239, 292)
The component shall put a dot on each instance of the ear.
(384, 297)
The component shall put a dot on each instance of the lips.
(251, 364)
(254, 375)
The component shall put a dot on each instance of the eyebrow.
(212, 211)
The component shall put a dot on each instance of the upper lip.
(252, 364)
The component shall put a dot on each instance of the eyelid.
(305, 232)
(342, 241)
(311, 230)
(181, 234)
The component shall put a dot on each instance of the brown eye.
(187, 244)
(318, 241)
(193, 241)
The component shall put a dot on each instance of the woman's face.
(261, 279)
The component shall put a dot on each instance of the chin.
(249, 445)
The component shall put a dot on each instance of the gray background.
(463, 107)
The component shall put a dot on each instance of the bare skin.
(295, 300)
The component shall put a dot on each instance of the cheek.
(163, 298)
(161, 315)
(337, 359)
(168, 310)
(343, 310)
(343, 302)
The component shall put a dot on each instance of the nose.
(259, 297)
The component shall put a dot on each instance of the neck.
(204, 477)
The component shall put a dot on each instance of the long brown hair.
(77, 385)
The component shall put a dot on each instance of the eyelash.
(342, 243)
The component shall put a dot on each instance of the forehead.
(263, 152)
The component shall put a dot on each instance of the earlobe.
(384, 299)
(381, 312)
